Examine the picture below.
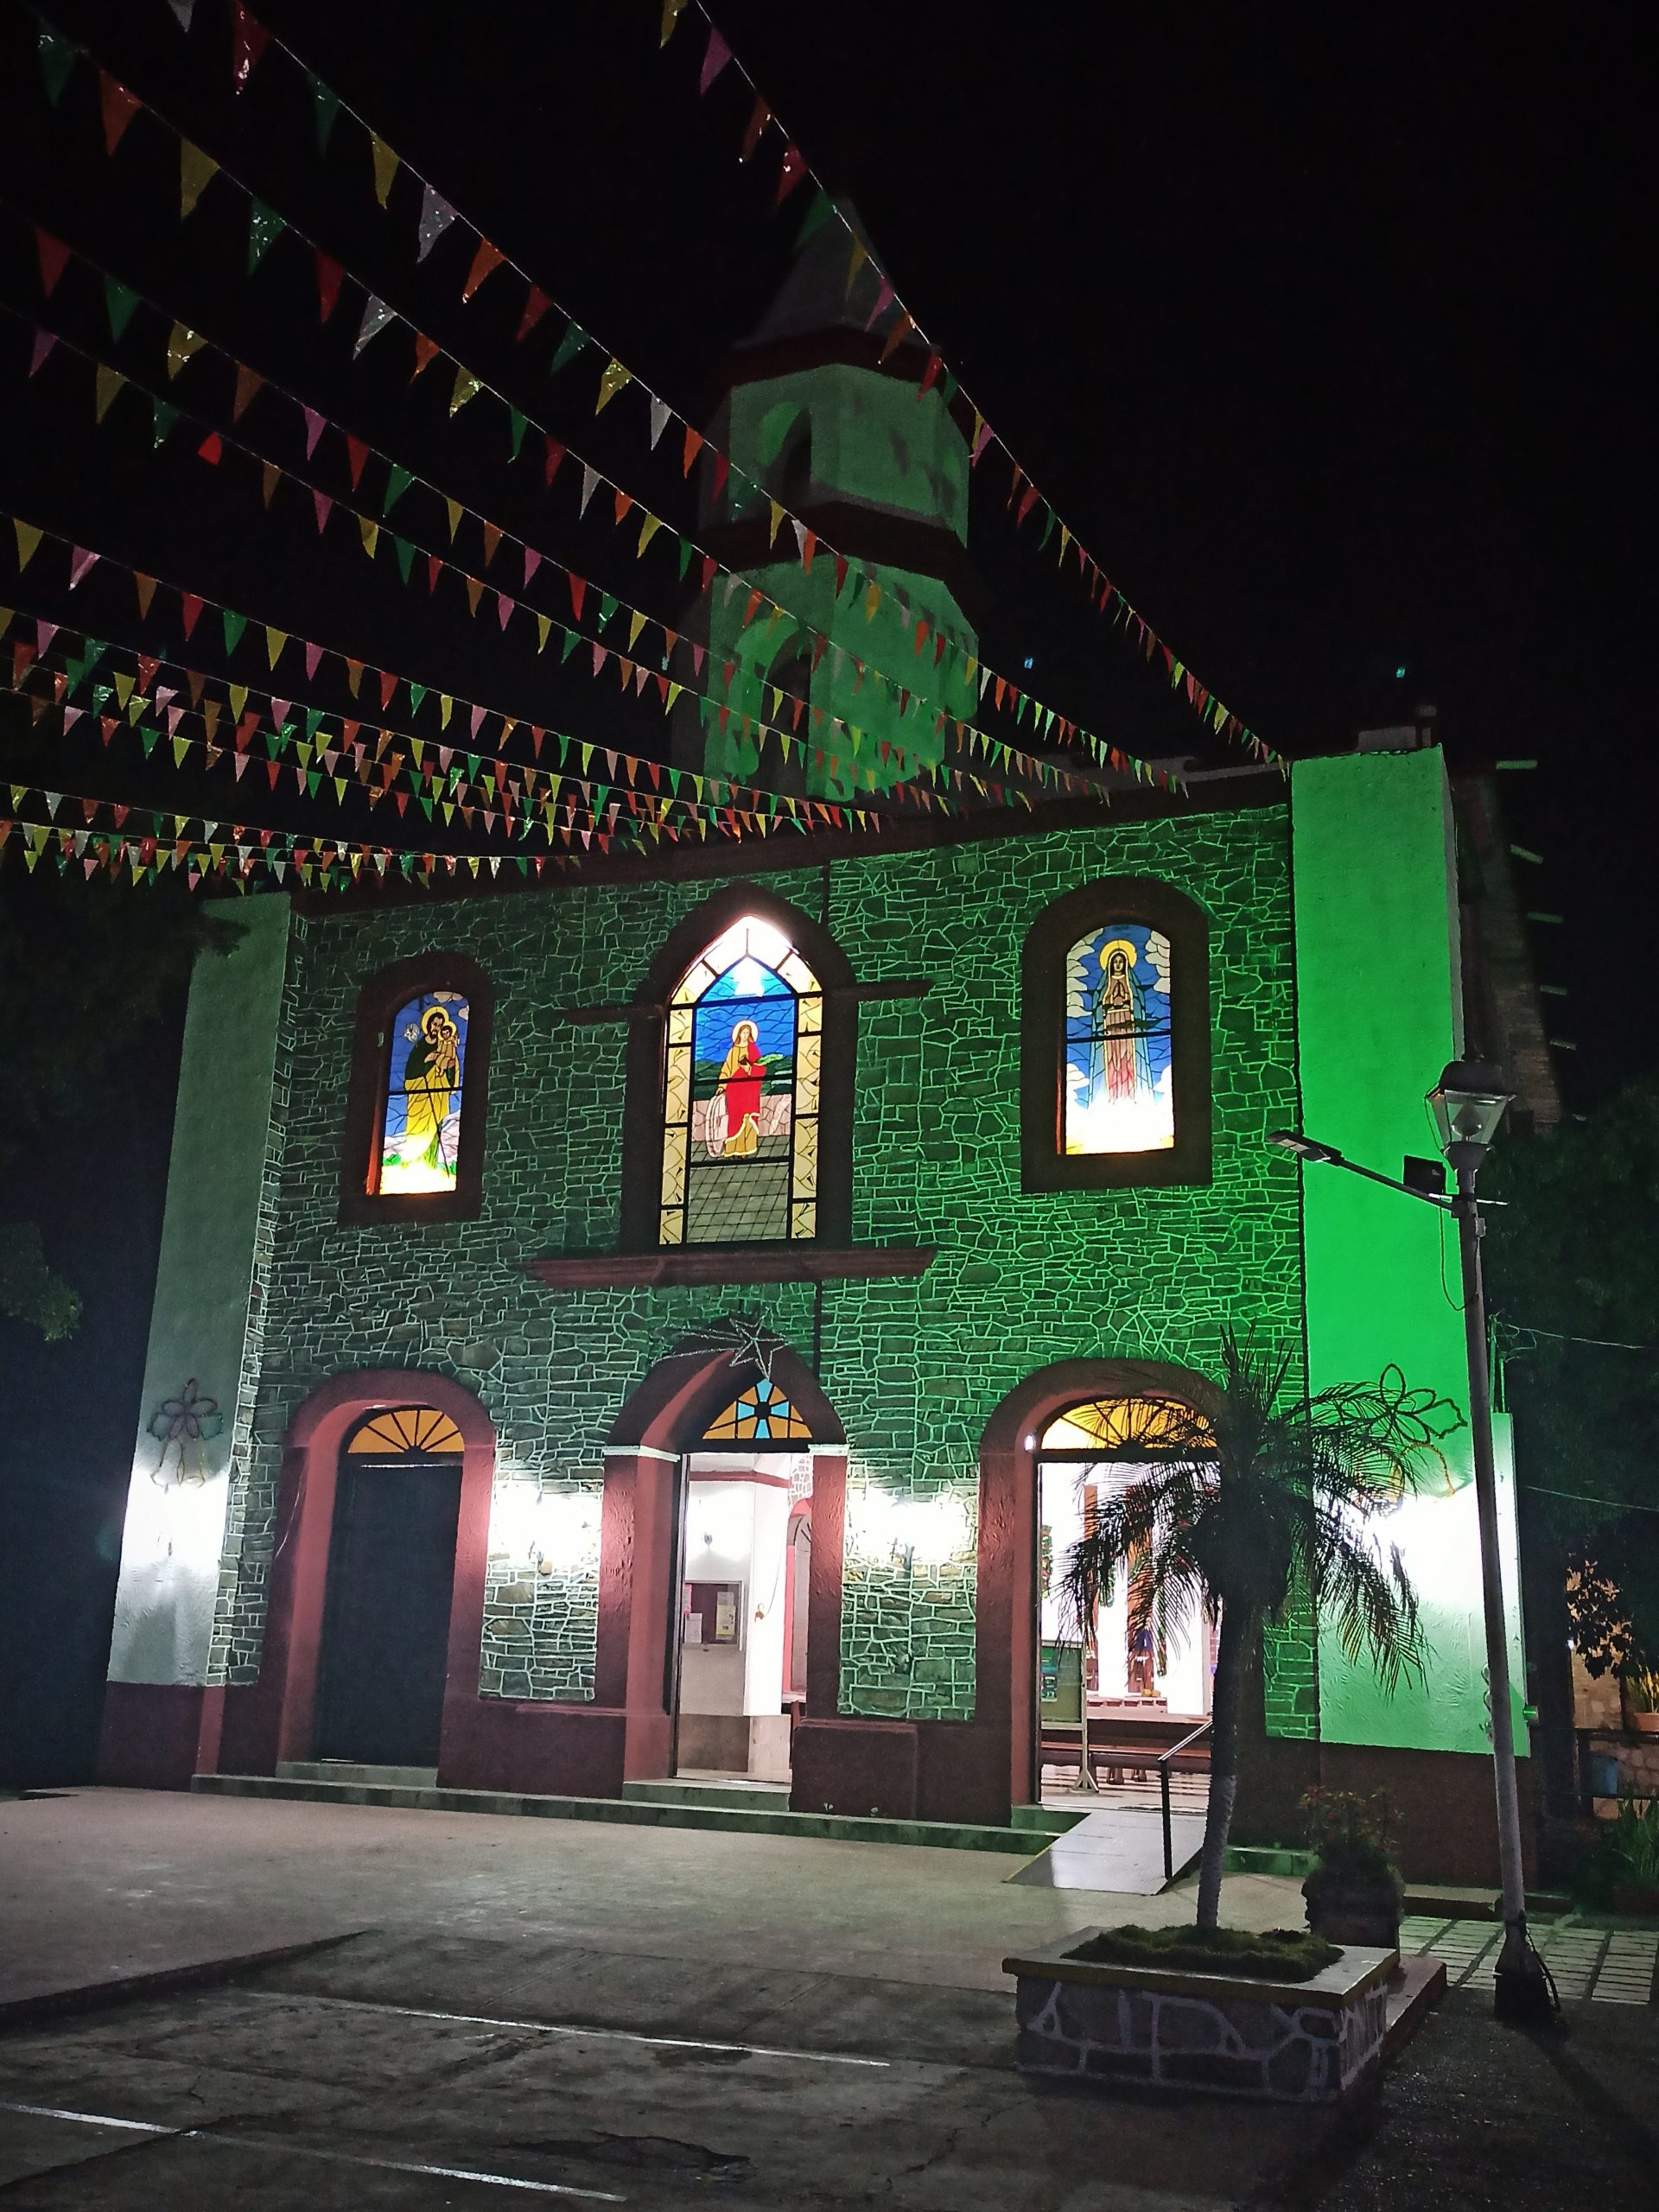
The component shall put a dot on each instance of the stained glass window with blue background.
(420, 1133)
(740, 1094)
(1117, 1089)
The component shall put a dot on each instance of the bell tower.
(847, 509)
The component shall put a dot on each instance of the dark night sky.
(1318, 325)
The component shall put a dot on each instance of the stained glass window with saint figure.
(420, 1129)
(741, 1093)
(1118, 1094)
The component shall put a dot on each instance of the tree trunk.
(1238, 1626)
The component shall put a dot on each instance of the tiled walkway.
(1586, 1962)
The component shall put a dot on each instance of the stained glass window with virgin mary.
(1118, 1068)
(420, 1130)
(741, 1093)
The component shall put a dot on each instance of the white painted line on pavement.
(548, 2028)
(309, 2151)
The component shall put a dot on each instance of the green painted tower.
(846, 509)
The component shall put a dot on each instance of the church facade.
(680, 1412)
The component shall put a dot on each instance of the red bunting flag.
(119, 105)
(426, 350)
(555, 456)
(535, 308)
(191, 609)
(486, 262)
(794, 169)
(249, 39)
(53, 255)
(329, 273)
(760, 117)
(357, 452)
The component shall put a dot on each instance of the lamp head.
(1468, 1102)
(1304, 1148)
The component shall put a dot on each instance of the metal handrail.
(1203, 1729)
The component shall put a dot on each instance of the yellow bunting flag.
(614, 378)
(270, 477)
(446, 707)
(474, 593)
(385, 167)
(671, 12)
(108, 382)
(181, 345)
(275, 640)
(452, 508)
(370, 534)
(28, 538)
(777, 518)
(468, 387)
(196, 172)
(648, 530)
(872, 600)
(239, 699)
(636, 624)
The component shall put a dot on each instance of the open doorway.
(1143, 1691)
(741, 1631)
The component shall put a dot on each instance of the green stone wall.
(913, 1368)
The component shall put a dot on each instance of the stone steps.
(633, 1812)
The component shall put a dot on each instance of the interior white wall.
(1183, 1681)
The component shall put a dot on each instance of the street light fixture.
(1468, 1103)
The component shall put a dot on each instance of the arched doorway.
(1006, 1644)
(274, 1719)
(390, 1581)
(710, 1596)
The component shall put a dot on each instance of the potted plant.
(1629, 1851)
(1354, 1892)
(1642, 1698)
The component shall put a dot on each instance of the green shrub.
(1280, 1955)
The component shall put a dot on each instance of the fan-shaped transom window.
(406, 1432)
(761, 1414)
(1123, 1427)
(426, 1081)
(1119, 1076)
(741, 1093)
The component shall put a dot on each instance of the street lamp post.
(1468, 1102)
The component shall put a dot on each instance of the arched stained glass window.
(420, 1131)
(406, 1432)
(741, 1093)
(1119, 1081)
(761, 1414)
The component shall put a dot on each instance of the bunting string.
(724, 795)
(122, 305)
(436, 219)
(477, 784)
(904, 326)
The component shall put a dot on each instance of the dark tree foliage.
(89, 967)
(1574, 1253)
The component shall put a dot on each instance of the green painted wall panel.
(1379, 1016)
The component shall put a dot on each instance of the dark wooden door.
(392, 1569)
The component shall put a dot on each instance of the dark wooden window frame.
(1044, 1165)
(642, 1116)
(377, 1002)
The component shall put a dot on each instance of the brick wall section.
(914, 1368)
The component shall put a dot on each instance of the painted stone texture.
(1235, 2045)
(914, 1368)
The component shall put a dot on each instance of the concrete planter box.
(1291, 2042)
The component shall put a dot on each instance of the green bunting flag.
(265, 227)
(569, 345)
(120, 300)
(234, 626)
(57, 59)
(399, 481)
(327, 107)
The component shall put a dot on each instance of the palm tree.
(1086, 1588)
(1257, 1501)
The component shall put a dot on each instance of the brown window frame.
(1045, 1165)
(646, 1094)
(377, 1002)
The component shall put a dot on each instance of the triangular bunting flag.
(376, 315)
(486, 262)
(265, 227)
(118, 106)
(615, 380)
(436, 215)
(385, 167)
